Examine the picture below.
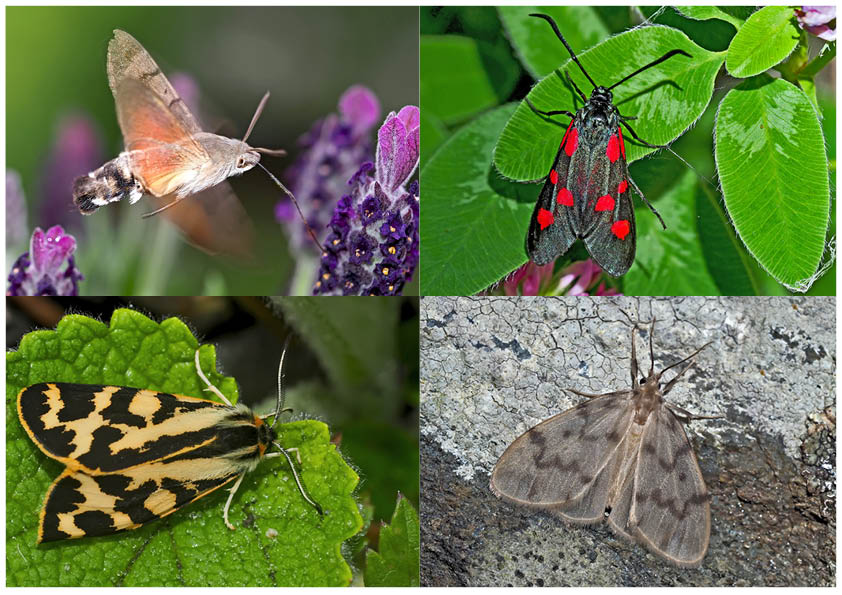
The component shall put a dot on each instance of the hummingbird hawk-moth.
(169, 157)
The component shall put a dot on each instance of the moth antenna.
(298, 481)
(281, 395)
(666, 56)
(295, 202)
(690, 357)
(256, 115)
(634, 365)
(651, 350)
(558, 34)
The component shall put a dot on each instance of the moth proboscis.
(132, 456)
(624, 452)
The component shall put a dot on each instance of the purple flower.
(373, 247)
(818, 20)
(76, 151)
(581, 276)
(334, 148)
(40, 272)
(16, 224)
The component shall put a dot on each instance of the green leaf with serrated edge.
(397, 563)
(455, 81)
(474, 222)
(704, 13)
(773, 170)
(193, 546)
(535, 44)
(667, 98)
(766, 39)
(670, 262)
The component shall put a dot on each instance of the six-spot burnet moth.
(587, 194)
(133, 456)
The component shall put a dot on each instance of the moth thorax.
(112, 182)
(646, 399)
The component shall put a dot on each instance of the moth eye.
(241, 162)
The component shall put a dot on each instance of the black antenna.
(666, 56)
(550, 20)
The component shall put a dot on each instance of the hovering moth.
(169, 157)
(624, 452)
(132, 456)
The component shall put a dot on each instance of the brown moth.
(624, 452)
(168, 156)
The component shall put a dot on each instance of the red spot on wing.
(572, 142)
(613, 149)
(554, 177)
(620, 229)
(622, 187)
(565, 197)
(545, 218)
(622, 144)
(605, 203)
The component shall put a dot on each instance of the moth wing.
(553, 227)
(127, 59)
(608, 228)
(82, 505)
(670, 510)
(100, 429)
(554, 464)
(164, 155)
(214, 221)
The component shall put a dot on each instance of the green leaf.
(192, 546)
(667, 99)
(397, 563)
(536, 45)
(461, 76)
(670, 262)
(766, 39)
(773, 169)
(474, 223)
(704, 13)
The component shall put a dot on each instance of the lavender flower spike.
(39, 271)
(373, 245)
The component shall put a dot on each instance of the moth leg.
(284, 410)
(617, 393)
(210, 386)
(231, 493)
(277, 454)
(640, 140)
(579, 91)
(648, 204)
(167, 206)
(685, 416)
(550, 113)
(297, 479)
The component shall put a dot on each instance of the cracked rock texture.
(491, 368)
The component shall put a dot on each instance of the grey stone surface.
(491, 368)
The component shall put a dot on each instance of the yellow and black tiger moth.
(133, 456)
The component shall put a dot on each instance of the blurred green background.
(470, 67)
(307, 57)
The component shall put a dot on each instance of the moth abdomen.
(112, 182)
